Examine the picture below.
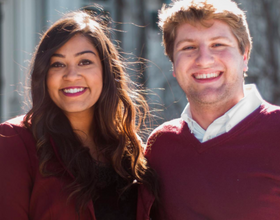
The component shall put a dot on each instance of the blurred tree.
(264, 66)
(131, 17)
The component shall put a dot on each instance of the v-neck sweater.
(249, 103)
(234, 176)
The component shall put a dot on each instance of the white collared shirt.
(250, 102)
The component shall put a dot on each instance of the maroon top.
(235, 176)
(26, 195)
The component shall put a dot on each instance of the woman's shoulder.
(17, 121)
(14, 134)
(17, 145)
(17, 168)
(13, 126)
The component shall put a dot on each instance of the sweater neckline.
(236, 130)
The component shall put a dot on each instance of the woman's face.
(74, 78)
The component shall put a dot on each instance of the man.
(221, 159)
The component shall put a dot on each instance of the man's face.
(208, 64)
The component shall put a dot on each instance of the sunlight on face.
(208, 64)
(74, 78)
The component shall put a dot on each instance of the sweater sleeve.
(15, 174)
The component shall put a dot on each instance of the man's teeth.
(75, 90)
(207, 76)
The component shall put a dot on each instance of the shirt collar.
(251, 101)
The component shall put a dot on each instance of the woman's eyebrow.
(83, 52)
(58, 55)
(77, 54)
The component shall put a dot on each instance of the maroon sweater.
(233, 176)
(26, 195)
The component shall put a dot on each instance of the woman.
(76, 153)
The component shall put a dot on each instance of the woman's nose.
(71, 73)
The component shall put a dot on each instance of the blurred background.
(22, 22)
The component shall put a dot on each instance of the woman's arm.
(15, 175)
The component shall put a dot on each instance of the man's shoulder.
(173, 126)
(167, 129)
(268, 109)
(269, 116)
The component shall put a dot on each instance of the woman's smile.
(74, 91)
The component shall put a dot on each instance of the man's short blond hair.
(201, 11)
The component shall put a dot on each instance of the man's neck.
(204, 114)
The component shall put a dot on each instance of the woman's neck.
(82, 125)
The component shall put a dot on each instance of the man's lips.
(206, 76)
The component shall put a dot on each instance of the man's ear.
(245, 61)
(173, 71)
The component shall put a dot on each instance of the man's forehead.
(214, 30)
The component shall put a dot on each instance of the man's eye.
(217, 45)
(85, 62)
(189, 48)
(57, 65)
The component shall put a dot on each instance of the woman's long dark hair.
(114, 124)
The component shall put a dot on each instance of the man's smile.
(207, 75)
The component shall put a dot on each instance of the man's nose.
(204, 57)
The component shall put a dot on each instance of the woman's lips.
(73, 91)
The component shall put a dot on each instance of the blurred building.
(23, 21)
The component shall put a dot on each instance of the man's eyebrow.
(212, 39)
(77, 54)
(184, 40)
(220, 38)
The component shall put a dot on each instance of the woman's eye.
(57, 65)
(85, 62)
